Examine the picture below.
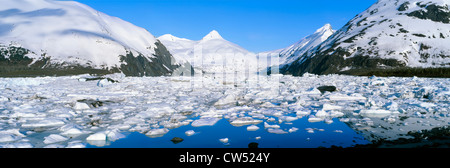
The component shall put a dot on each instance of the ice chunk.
(6, 138)
(309, 130)
(18, 145)
(252, 128)
(54, 138)
(71, 130)
(427, 105)
(245, 121)
(224, 140)
(322, 114)
(76, 144)
(228, 98)
(338, 131)
(117, 116)
(312, 119)
(46, 123)
(338, 97)
(114, 135)
(266, 125)
(189, 132)
(154, 133)
(303, 113)
(104, 82)
(336, 114)
(391, 106)
(276, 131)
(330, 107)
(207, 121)
(14, 133)
(81, 106)
(293, 129)
(312, 91)
(3, 99)
(100, 136)
(376, 113)
(289, 118)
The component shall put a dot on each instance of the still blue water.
(239, 137)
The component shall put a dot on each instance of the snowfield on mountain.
(212, 54)
(66, 34)
(389, 34)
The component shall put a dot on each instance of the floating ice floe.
(309, 130)
(189, 132)
(101, 138)
(224, 140)
(313, 119)
(228, 98)
(76, 144)
(276, 131)
(7, 138)
(252, 128)
(266, 125)
(427, 105)
(81, 106)
(72, 132)
(245, 121)
(338, 131)
(341, 97)
(43, 124)
(312, 91)
(157, 132)
(10, 135)
(293, 129)
(330, 107)
(104, 82)
(18, 145)
(377, 112)
(208, 121)
(54, 138)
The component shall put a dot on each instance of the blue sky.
(257, 25)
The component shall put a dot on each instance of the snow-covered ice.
(276, 131)
(252, 128)
(189, 132)
(224, 140)
(68, 112)
(54, 138)
(205, 122)
(157, 132)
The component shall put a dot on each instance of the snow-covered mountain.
(293, 52)
(211, 54)
(389, 34)
(70, 35)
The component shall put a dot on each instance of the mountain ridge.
(69, 35)
(389, 34)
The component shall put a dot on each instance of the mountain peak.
(212, 35)
(168, 37)
(326, 27)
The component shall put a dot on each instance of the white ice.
(47, 106)
(205, 122)
(252, 128)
